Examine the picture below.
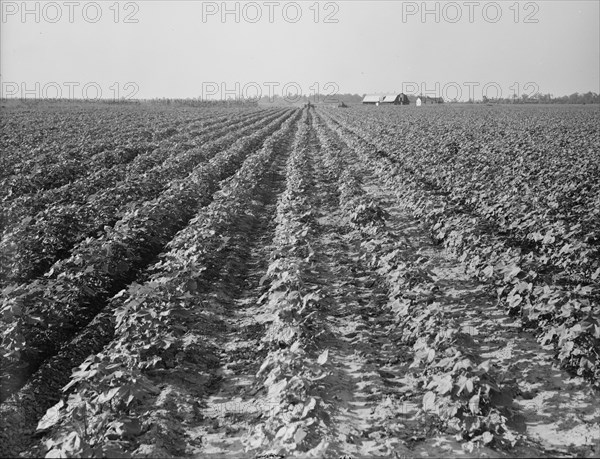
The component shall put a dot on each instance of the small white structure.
(419, 102)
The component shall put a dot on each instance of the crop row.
(37, 242)
(562, 315)
(32, 140)
(159, 325)
(457, 386)
(57, 163)
(291, 373)
(114, 166)
(39, 317)
(538, 188)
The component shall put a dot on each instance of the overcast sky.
(190, 49)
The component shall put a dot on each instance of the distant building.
(428, 100)
(395, 99)
(388, 99)
(371, 99)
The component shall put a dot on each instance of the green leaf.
(108, 395)
(445, 385)
(299, 435)
(51, 417)
(323, 357)
(487, 437)
(489, 271)
(474, 404)
(429, 401)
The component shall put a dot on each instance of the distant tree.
(574, 98)
(590, 98)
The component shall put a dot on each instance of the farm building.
(371, 99)
(396, 99)
(429, 100)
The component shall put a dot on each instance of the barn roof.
(372, 98)
(390, 97)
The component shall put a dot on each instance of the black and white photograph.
(300, 229)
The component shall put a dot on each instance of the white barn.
(372, 99)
